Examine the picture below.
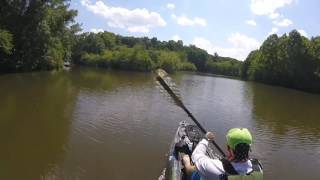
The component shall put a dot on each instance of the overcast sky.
(229, 27)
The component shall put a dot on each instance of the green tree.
(141, 60)
(38, 29)
(291, 61)
(197, 56)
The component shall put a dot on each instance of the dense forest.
(108, 50)
(290, 60)
(42, 35)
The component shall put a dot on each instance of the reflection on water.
(97, 124)
(283, 110)
(34, 125)
(288, 130)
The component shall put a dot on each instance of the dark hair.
(241, 152)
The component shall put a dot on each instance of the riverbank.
(290, 60)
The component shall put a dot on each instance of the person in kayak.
(237, 164)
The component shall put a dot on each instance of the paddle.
(165, 81)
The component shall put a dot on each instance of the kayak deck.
(185, 140)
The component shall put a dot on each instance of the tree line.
(42, 35)
(289, 60)
(106, 49)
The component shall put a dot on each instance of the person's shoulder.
(242, 167)
(246, 163)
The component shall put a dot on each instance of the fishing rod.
(166, 82)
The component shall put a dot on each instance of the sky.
(232, 28)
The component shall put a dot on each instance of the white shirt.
(212, 168)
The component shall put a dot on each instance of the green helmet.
(236, 136)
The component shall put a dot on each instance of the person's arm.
(200, 151)
(199, 156)
(208, 167)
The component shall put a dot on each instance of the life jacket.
(232, 174)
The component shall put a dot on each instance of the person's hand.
(209, 136)
(186, 160)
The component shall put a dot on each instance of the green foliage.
(291, 61)
(187, 66)
(143, 54)
(141, 60)
(5, 42)
(136, 58)
(197, 56)
(54, 56)
(225, 67)
(169, 61)
(42, 34)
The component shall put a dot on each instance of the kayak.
(184, 142)
(186, 139)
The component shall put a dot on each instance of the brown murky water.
(98, 124)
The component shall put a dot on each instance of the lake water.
(98, 124)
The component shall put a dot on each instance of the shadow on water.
(283, 110)
(80, 124)
(97, 79)
(34, 122)
(287, 131)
